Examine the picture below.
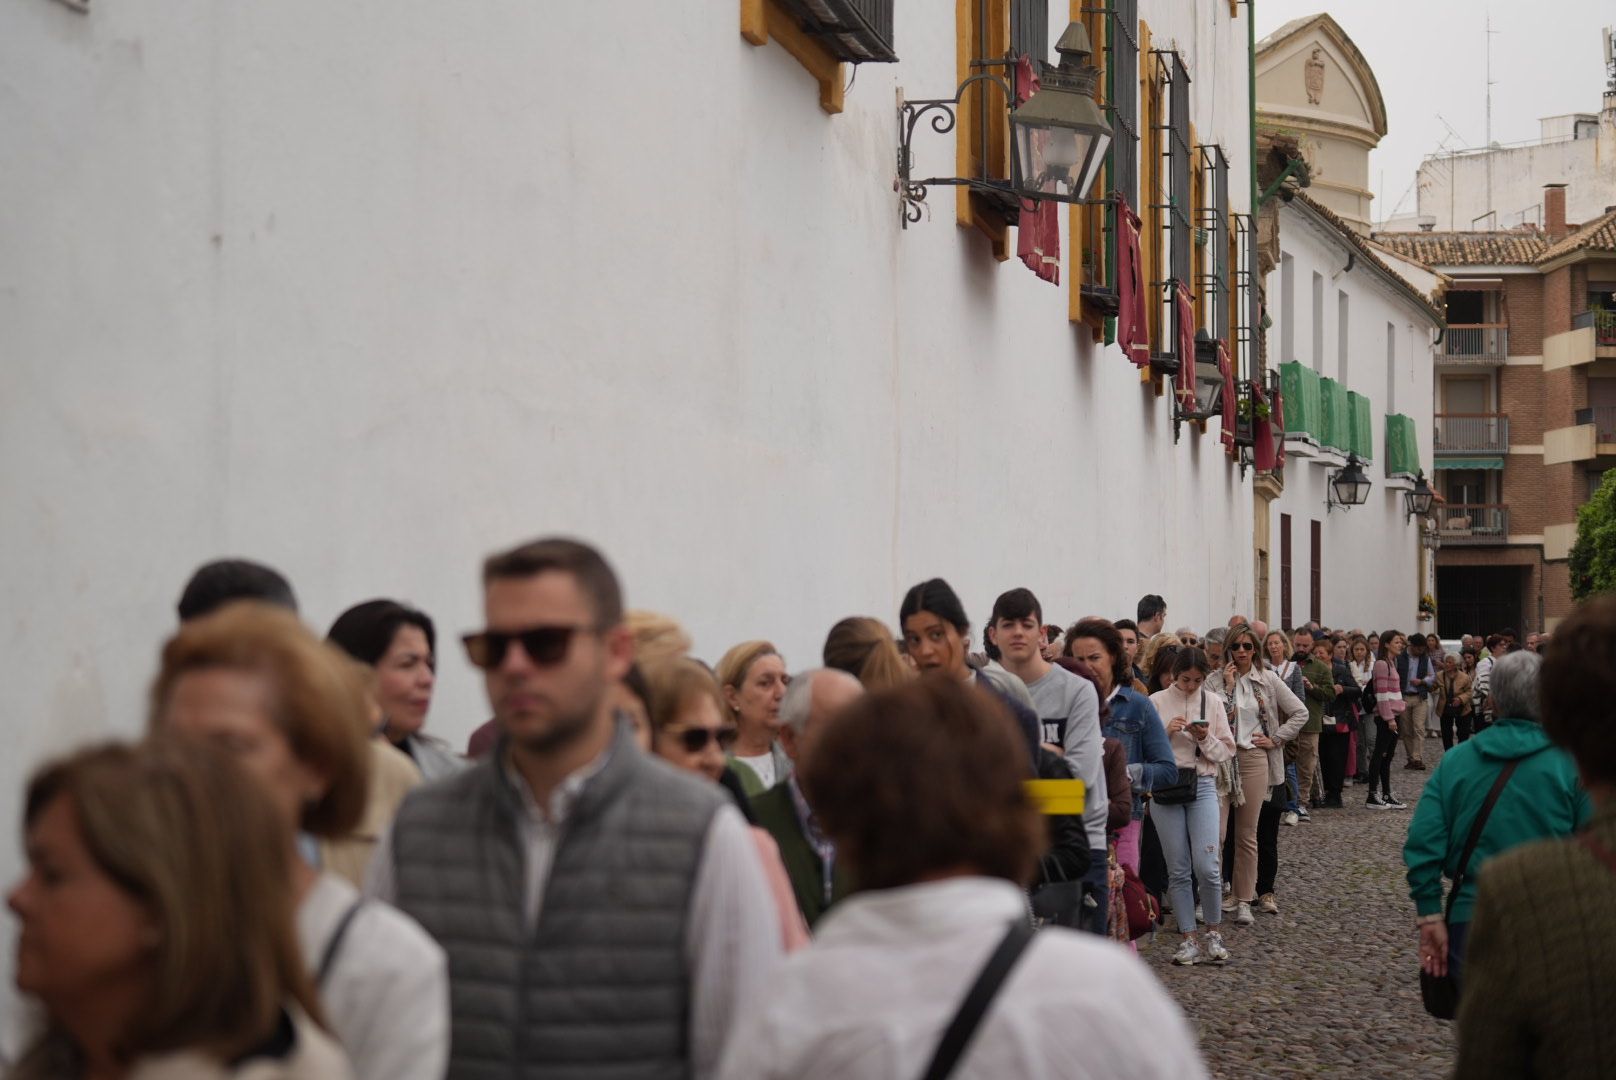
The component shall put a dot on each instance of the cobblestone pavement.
(1330, 986)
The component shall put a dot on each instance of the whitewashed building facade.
(369, 290)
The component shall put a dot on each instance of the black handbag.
(1182, 790)
(1440, 993)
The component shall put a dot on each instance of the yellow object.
(1058, 796)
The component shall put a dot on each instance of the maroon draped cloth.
(1132, 330)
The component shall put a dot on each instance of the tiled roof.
(1598, 235)
(1367, 252)
(1466, 248)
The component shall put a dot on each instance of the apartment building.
(1525, 422)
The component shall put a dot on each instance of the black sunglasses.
(546, 646)
(695, 739)
(1242, 646)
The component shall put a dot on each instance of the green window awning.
(1304, 406)
(1469, 463)
(1336, 425)
(1361, 421)
(1402, 446)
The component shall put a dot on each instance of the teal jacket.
(1543, 799)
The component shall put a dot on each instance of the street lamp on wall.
(1349, 486)
(1060, 136)
(1209, 388)
(1417, 503)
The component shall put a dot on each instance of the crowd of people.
(650, 865)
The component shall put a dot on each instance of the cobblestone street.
(1330, 986)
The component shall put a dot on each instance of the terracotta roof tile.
(1466, 248)
(1597, 235)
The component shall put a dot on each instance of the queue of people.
(645, 865)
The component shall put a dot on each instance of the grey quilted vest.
(600, 990)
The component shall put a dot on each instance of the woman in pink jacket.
(1198, 730)
(1388, 708)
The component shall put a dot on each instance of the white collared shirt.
(732, 939)
(871, 997)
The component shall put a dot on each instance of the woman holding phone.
(1198, 729)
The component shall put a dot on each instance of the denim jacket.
(1134, 722)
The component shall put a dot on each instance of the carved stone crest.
(1315, 76)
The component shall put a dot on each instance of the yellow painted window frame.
(981, 100)
(765, 19)
(1086, 224)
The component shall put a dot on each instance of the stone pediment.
(1310, 75)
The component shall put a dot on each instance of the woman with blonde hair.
(156, 924)
(292, 711)
(1265, 715)
(690, 730)
(865, 649)
(1147, 659)
(752, 677)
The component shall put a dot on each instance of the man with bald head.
(817, 879)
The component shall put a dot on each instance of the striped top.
(1388, 691)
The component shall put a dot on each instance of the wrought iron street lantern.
(1061, 135)
(1417, 503)
(1349, 486)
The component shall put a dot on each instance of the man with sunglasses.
(604, 913)
(817, 879)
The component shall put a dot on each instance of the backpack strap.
(333, 945)
(969, 1017)
(1475, 834)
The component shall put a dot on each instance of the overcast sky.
(1430, 58)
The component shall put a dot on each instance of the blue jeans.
(1189, 841)
(1098, 879)
(1294, 803)
(1458, 934)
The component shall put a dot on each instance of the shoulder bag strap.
(333, 945)
(1475, 833)
(975, 1006)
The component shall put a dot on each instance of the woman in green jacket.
(1542, 799)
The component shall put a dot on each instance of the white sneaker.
(1189, 953)
(1289, 817)
(1267, 904)
(1215, 952)
(1230, 904)
(1242, 915)
(1200, 917)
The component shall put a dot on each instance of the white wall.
(1371, 576)
(368, 290)
(1454, 189)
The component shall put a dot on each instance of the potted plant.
(1427, 607)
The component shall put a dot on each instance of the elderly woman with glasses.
(1265, 715)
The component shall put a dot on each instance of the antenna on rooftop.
(1490, 33)
(1610, 61)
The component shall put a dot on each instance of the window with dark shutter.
(1214, 283)
(1316, 585)
(857, 31)
(1176, 210)
(1029, 30)
(1122, 94)
(1284, 570)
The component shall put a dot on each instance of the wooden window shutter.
(1316, 585)
(981, 112)
(1284, 570)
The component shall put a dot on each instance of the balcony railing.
(1473, 523)
(1481, 344)
(1603, 322)
(1603, 418)
(1472, 433)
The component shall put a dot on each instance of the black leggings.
(1333, 747)
(1449, 721)
(1380, 762)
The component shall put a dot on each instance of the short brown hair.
(923, 778)
(319, 699)
(587, 566)
(1106, 634)
(176, 825)
(864, 648)
(673, 683)
(1577, 688)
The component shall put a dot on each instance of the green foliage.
(1593, 556)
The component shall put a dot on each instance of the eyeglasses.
(546, 646)
(695, 739)
(1242, 646)
(1189, 640)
